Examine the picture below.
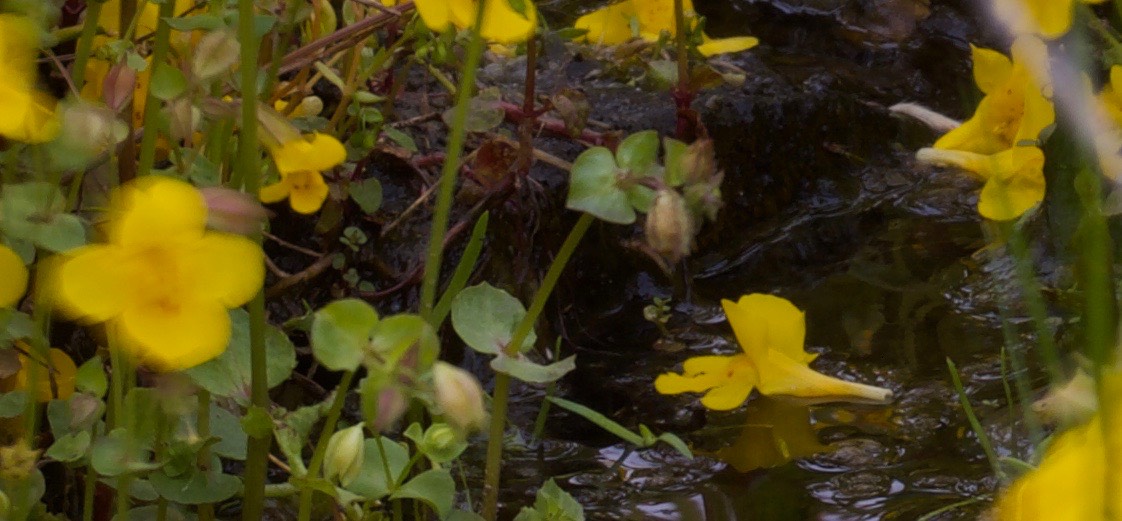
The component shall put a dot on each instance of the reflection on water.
(775, 432)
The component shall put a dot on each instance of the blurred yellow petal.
(764, 323)
(1039, 114)
(1067, 486)
(230, 283)
(711, 47)
(991, 68)
(436, 14)
(54, 382)
(314, 152)
(610, 25)
(176, 335)
(1005, 201)
(13, 277)
(782, 375)
(502, 24)
(90, 283)
(156, 209)
(275, 192)
(308, 191)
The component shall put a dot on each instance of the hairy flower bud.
(184, 119)
(670, 227)
(459, 396)
(345, 452)
(119, 85)
(216, 53)
(698, 162)
(233, 211)
(391, 407)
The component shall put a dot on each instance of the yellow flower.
(13, 277)
(1014, 109)
(161, 282)
(299, 162)
(1048, 18)
(1111, 96)
(612, 25)
(501, 23)
(26, 113)
(58, 383)
(770, 330)
(1014, 178)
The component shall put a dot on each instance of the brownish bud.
(216, 53)
(119, 85)
(698, 162)
(233, 211)
(670, 227)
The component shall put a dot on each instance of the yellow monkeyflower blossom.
(770, 331)
(612, 25)
(299, 162)
(26, 113)
(502, 23)
(1015, 108)
(1048, 18)
(13, 277)
(1014, 178)
(161, 282)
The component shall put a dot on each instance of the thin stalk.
(680, 31)
(257, 452)
(85, 45)
(451, 165)
(152, 106)
(320, 452)
(202, 418)
(89, 488)
(501, 393)
(975, 425)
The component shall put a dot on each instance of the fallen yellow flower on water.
(501, 22)
(613, 25)
(26, 113)
(1048, 18)
(1014, 178)
(770, 331)
(162, 283)
(1014, 110)
(13, 277)
(299, 162)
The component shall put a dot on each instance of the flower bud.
(216, 53)
(441, 443)
(233, 211)
(699, 165)
(345, 452)
(669, 226)
(90, 130)
(310, 106)
(184, 119)
(119, 86)
(459, 396)
(391, 407)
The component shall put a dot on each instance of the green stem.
(320, 452)
(85, 44)
(680, 31)
(152, 105)
(89, 488)
(501, 393)
(983, 440)
(206, 510)
(451, 166)
(257, 452)
(1030, 287)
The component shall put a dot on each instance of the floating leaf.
(485, 318)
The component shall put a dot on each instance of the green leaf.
(674, 441)
(63, 233)
(600, 420)
(341, 333)
(402, 139)
(638, 152)
(463, 269)
(139, 489)
(198, 487)
(168, 82)
(206, 22)
(485, 318)
(368, 194)
(557, 505)
(91, 378)
(115, 454)
(371, 482)
(395, 336)
(229, 374)
(484, 111)
(152, 513)
(593, 187)
(13, 404)
(70, 447)
(434, 486)
(674, 174)
(36, 211)
(528, 371)
(293, 428)
(463, 515)
(257, 423)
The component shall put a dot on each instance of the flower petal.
(1005, 201)
(728, 396)
(308, 191)
(502, 24)
(155, 209)
(971, 136)
(13, 277)
(711, 47)
(275, 192)
(227, 268)
(991, 68)
(436, 14)
(764, 323)
(700, 373)
(89, 281)
(1039, 114)
(313, 152)
(610, 25)
(782, 375)
(176, 336)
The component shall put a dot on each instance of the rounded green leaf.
(394, 336)
(434, 486)
(485, 317)
(197, 487)
(638, 152)
(229, 374)
(593, 187)
(341, 332)
(371, 482)
(528, 371)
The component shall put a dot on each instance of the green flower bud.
(345, 452)
(441, 443)
(459, 396)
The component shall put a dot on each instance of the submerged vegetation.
(341, 259)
